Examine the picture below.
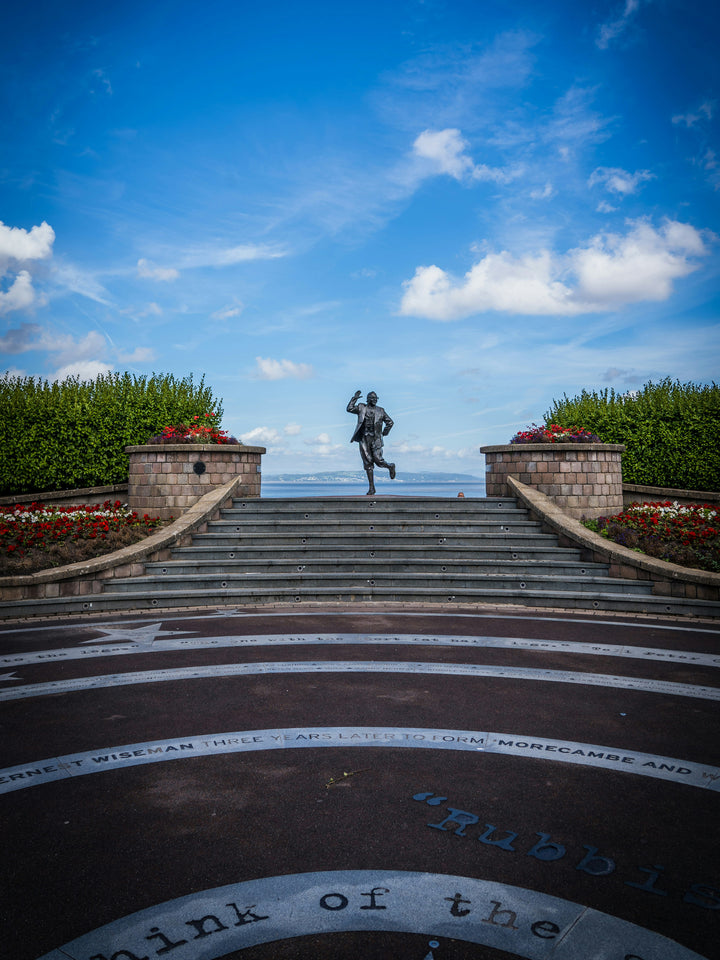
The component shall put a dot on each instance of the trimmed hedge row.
(59, 436)
(671, 431)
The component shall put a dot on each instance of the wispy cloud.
(574, 123)
(457, 85)
(227, 313)
(704, 112)
(619, 181)
(69, 278)
(149, 271)
(224, 256)
(610, 31)
(269, 369)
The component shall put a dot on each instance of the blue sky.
(471, 208)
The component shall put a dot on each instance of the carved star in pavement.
(143, 636)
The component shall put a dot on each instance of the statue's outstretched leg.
(388, 466)
(371, 480)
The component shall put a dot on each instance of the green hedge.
(671, 431)
(59, 436)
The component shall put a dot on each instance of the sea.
(273, 488)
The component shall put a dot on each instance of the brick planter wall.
(163, 482)
(583, 479)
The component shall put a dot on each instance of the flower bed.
(686, 534)
(35, 536)
(554, 434)
(205, 429)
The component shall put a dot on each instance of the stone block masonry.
(583, 479)
(165, 479)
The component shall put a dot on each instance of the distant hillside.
(358, 476)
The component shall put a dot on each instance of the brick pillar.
(166, 479)
(583, 479)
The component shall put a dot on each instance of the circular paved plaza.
(360, 784)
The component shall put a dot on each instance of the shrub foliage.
(671, 431)
(73, 433)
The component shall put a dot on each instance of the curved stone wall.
(583, 479)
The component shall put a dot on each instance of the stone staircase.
(375, 550)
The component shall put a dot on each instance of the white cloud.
(269, 369)
(20, 295)
(21, 245)
(545, 193)
(612, 30)
(261, 435)
(705, 111)
(83, 370)
(214, 256)
(139, 355)
(322, 445)
(292, 429)
(605, 207)
(436, 451)
(64, 349)
(609, 271)
(619, 181)
(148, 270)
(445, 152)
(91, 348)
(227, 313)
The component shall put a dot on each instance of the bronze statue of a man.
(373, 424)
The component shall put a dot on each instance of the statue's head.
(372, 398)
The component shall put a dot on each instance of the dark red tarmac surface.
(84, 851)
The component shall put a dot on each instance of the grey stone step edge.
(391, 504)
(498, 552)
(331, 564)
(347, 580)
(378, 537)
(381, 527)
(449, 600)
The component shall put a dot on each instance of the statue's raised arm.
(352, 406)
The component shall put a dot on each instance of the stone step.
(369, 539)
(362, 506)
(366, 566)
(381, 526)
(372, 549)
(306, 580)
(433, 596)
